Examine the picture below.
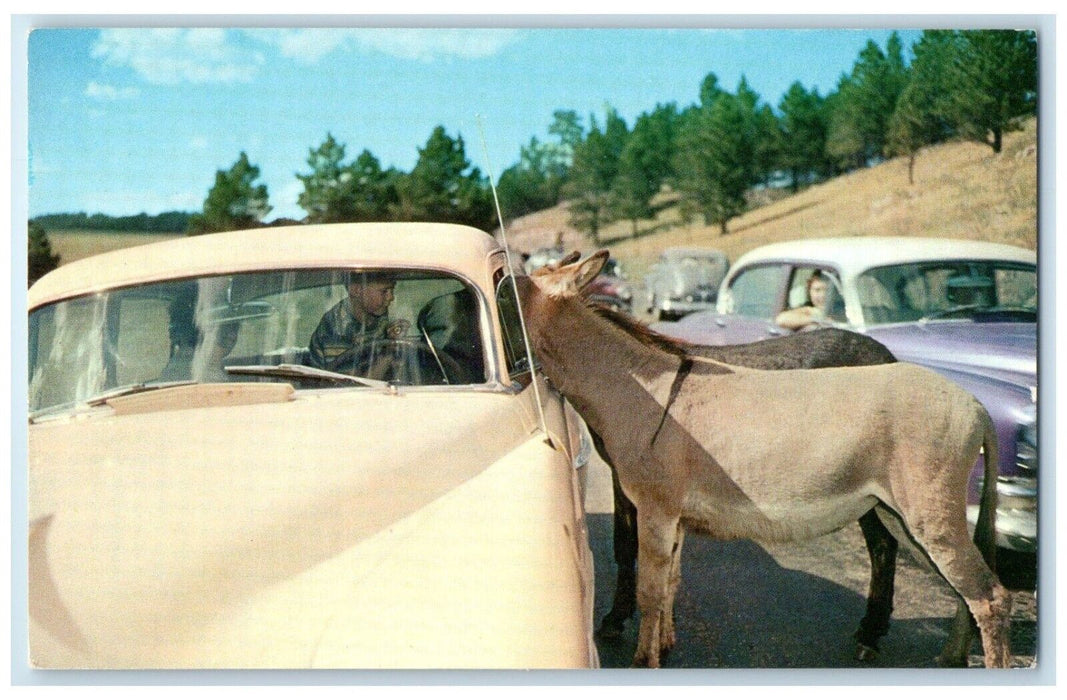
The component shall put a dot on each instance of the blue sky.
(127, 120)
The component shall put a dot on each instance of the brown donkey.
(702, 445)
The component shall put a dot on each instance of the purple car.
(965, 309)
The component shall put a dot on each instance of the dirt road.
(747, 605)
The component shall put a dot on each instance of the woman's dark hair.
(816, 276)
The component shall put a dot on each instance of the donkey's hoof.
(665, 645)
(643, 661)
(613, 624)
(952, 661)
(866, 653)
(610, 628)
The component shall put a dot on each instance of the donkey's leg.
(945, 538)
(960, 636)
(988, 601)
(657, 533)
(666, 632)
(882, 548)
(625, 546)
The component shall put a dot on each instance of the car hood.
(348, 528)
(1007, 351)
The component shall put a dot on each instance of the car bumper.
(1016, 527)
(681, 306)
(614, 302)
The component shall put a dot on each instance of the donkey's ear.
(590, 268)
(569, 258)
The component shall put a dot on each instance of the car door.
(752, 298)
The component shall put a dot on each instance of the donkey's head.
(569, 276)
(548, 288)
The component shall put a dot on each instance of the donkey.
(715, 448)
(826, 347)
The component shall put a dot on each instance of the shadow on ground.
(738, 608)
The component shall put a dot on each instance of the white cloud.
(304, 46)
(101, 91)
(428, 44)
(198, 143)
(168, 56)
(308, 46)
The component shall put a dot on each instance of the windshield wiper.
(303, 372)
(102, 398)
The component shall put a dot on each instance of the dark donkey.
(826, 347)
(698, 444)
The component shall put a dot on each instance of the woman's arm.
(795, 319)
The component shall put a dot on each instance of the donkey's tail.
(985, 530)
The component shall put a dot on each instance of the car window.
(798, 291)
(755, 291)
(425, 331)
(511, 324)
(912, 291)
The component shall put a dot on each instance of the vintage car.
(543, 256)
(684, 280)
(966, 309)
(243, 507)
(611, 288)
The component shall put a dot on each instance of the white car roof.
(681, 252)
(852, 256)
(461, 249)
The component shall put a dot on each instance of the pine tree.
(716, 156)
(996, 83)
(443, 187)
(329, 189)
(374, 190)
(866, 99)
(803, 129)
(921, 117)
(41, 259)
(589, 186)
(533, 183)
(234, 202)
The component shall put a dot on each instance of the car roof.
(461, 249)
(680, 252)
(852, 255)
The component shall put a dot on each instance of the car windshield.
(690, 272)
(612, 268)
(975, 289)
(411, 327)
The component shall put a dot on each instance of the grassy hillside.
(74, 245)
(961, 190)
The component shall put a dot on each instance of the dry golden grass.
(75, 245)
(961, 190)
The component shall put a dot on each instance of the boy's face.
(372, 298)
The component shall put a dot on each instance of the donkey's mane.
(639, 331)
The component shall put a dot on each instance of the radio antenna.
(514, 286)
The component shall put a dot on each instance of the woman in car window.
(813, 310)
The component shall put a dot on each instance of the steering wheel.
(400, 360)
